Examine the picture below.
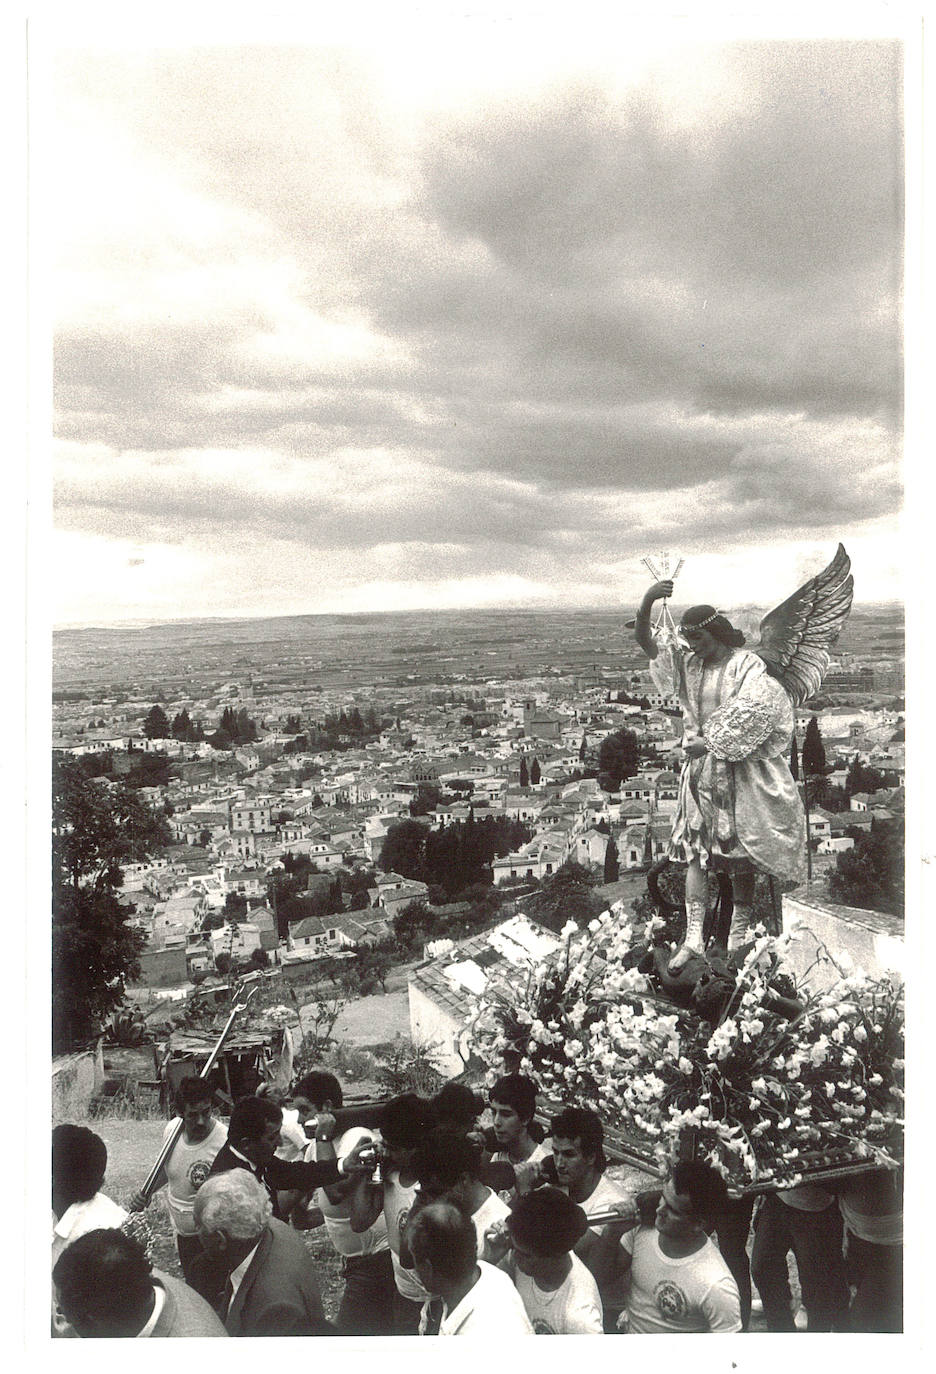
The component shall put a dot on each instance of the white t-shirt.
(572, 1309)
(605, 1192)
(397, 1202)
(293, 1139)
(99, 1212)
(186, 1170)
(492, 1209)
(807, 1197)
(338, 1214)
(694, 1293)
(491, 1308)
(523, 1171)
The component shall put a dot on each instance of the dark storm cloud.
(577, 289)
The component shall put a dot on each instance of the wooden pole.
(170, 1144)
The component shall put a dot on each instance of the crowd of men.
(450, 1224)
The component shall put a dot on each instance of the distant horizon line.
(147, 622)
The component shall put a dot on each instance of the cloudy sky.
(478, 321)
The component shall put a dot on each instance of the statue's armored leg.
(696, 900)
(742, 918)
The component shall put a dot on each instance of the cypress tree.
(813, 756)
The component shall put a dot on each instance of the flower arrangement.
(765, 1097)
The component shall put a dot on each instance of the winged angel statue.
(738, 805)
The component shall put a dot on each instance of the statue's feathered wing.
(796, 637)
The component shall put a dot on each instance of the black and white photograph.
(468, 561)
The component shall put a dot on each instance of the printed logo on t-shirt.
(402, 1218)
(670, 1300)
(198, 1172)
(542, 1328)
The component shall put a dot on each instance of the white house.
(835, 844)
(443, 991)
(237, 940)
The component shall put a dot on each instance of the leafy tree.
(415, 924)
(862, 778)
(583, 748)
(223, 963)
(96, 828)
(184, 729)
(814, 756)
(535, 773)
(618, 759)
(374, 963)
(204, 838)
(156, 724)
(871, 875)
(359, 902)
(427, 798)
(235, 906)
(612, 867)
(293, 725)
(524, 773)
(259, 958)
(403, 849)
(565, 895)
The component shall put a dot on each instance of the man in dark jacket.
(252, 1141)
(255, 1270)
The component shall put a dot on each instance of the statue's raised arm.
(795, 637)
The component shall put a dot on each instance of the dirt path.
(372, 1020)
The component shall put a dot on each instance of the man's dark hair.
(547, 1221)
(79, 1162)
(446, 1155)
(705, 1188)
(104, 1284)
(405, 1120)
(320, 1086)
(444, 1235)
(516, 1091)
(458, 1105)
(192, 1090)
(250, 1116)
(583, 1125)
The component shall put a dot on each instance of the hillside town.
(326, 782)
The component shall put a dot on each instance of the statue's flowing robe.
(739, 800)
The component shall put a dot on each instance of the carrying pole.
(170, 1144)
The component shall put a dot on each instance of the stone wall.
(434, 1029)
(75, 1080)
(873, 939)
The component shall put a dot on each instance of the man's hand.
(138, 1202)
(361, 1160)
(325, 1126)
(628, 1217)
(659, 590)
(496, 1243)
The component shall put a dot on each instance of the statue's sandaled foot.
(682, 957)
(695, 915)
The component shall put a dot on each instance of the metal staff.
(659, 570)
(170, 1144)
